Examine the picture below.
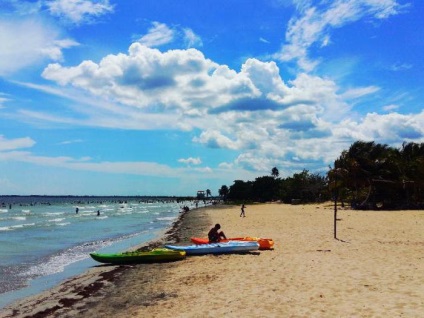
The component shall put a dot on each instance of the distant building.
(200, 194)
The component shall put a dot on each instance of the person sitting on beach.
(215, 235)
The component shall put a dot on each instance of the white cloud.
(226, 165)
(387, 128)
(400, 67)
(359, 92)
(203, 170)
(183, 81)
(249, 161)
(191, 39)
(390, 108)
(394, 127)
(3, 99)
(253, 112)
(227, 106)
(302, 5)
(135, 168)
(215, 139)
(315, 24)
(79, 11)
(68, 142)
(54, 50)
(18, 143)
(22, 7)
(25, 42)
(159, 34)
(325, 41)
(191, 160)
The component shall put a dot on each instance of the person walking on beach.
(76, 211)
(242, 211)
(215, 235)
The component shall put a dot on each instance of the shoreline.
(374, 269)
(46, 244)
(77, 292)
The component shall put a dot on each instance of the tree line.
(301, 187)
(367, 176)
(376, 176)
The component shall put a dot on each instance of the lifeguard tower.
(200, 194)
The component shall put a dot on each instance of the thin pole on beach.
(336, 192)
(334, 175)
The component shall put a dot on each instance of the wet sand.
(374, 269)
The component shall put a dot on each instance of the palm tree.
(410, 164)
(381, 174)
(274, 172)
(223, 192)
(208, 193)
(368, 165)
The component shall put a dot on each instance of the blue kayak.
(217, 248)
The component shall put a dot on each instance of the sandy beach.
(374, 269)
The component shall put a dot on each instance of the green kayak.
(153, 256)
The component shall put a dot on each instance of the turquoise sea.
(44, 240)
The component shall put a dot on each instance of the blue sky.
(165, 97)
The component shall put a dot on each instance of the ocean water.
(43, 240)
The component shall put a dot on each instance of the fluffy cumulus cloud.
(262, 118)
(387, 128)
(187, 83)
(253, 111)
(215, 139)
(314, 24)
(180, 80)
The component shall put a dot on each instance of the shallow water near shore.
(44, 242)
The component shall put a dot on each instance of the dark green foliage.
(223, 192)
(303, 186)
(241, 191)
(379, 176)
(368, 175)
(265, 189)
